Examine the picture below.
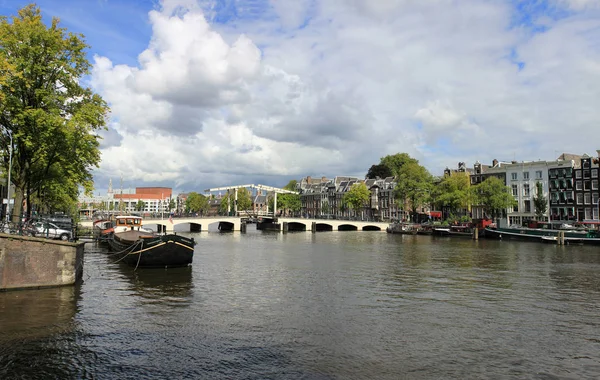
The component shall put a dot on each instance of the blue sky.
(212, 93)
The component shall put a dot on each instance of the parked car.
(51, 231)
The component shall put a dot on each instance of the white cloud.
(338, 84)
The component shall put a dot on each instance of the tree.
(52, 119)
(244, 201)
(325, 208)
(454, 193)
(413, 185)
(196, 203)
(357, 196)
(172, 204)
(380, 170)
(494, 196)
(140, 206)
(396, 161)
(289, 201)
(539, 201)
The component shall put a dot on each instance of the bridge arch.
(322, 227)
(296, 226)
(225, 226)
(347, 227)
(371, 228)
(187, 227)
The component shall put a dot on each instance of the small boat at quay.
(554, 236)
(403, 228)
(141, 247)
(455, 231)
(102, 230)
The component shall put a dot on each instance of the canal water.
(333, 305)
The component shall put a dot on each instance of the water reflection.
(35, 314)
(172, 286)
(33, 322)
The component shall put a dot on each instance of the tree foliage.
(414, 183)
(396, 162)
(357, 197)
(380, 170)
(244, 201)
(494, 196)
(196, 203)
(454, 192)
(140, 205)
(289, 202)
(51, 117)
(539, 201)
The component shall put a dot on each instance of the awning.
(435, 214)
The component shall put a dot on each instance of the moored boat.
(102, 230)
(454, 231)
(140, 247)
(557, 236)
(403, 228)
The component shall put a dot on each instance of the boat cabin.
(132, 222)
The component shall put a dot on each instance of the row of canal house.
(322, 198)
(569, 185)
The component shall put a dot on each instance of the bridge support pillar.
(284, 227)
(243, 227)
(313, 227)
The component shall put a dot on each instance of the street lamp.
(10, 150)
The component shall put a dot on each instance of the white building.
(522, 178)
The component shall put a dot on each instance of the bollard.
(476, 234)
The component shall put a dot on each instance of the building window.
(552, 173)
(588, 213)
(538, 174)
(595, 198)
(587, 198)
(586, 185)
(513, 176)
(595, 213)
(526, 176)
(515, 190)
(578, 174)
(594, 173)
(516, 208)
(578, 185)
(526, 189)
(594, 184)
(579, 199)
(527, 206)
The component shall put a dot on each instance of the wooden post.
(476, 234)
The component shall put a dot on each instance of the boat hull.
(541, 235)
(152, 251)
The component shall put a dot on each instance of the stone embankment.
(29, 262)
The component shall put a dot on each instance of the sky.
(217, 93)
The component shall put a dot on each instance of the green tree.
(454, 193)
(357, 196)
(494, 196)
(52, 118)
(396, 161)
(325, 207)
(539, 201)
(172, 204)
(413, 185)
(244, 201)
(196, 203)
(380, 170)
(289, 202)
(140, 205)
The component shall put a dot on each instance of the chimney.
(494, 163)
(323, 179)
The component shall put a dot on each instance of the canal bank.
(29, 262)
